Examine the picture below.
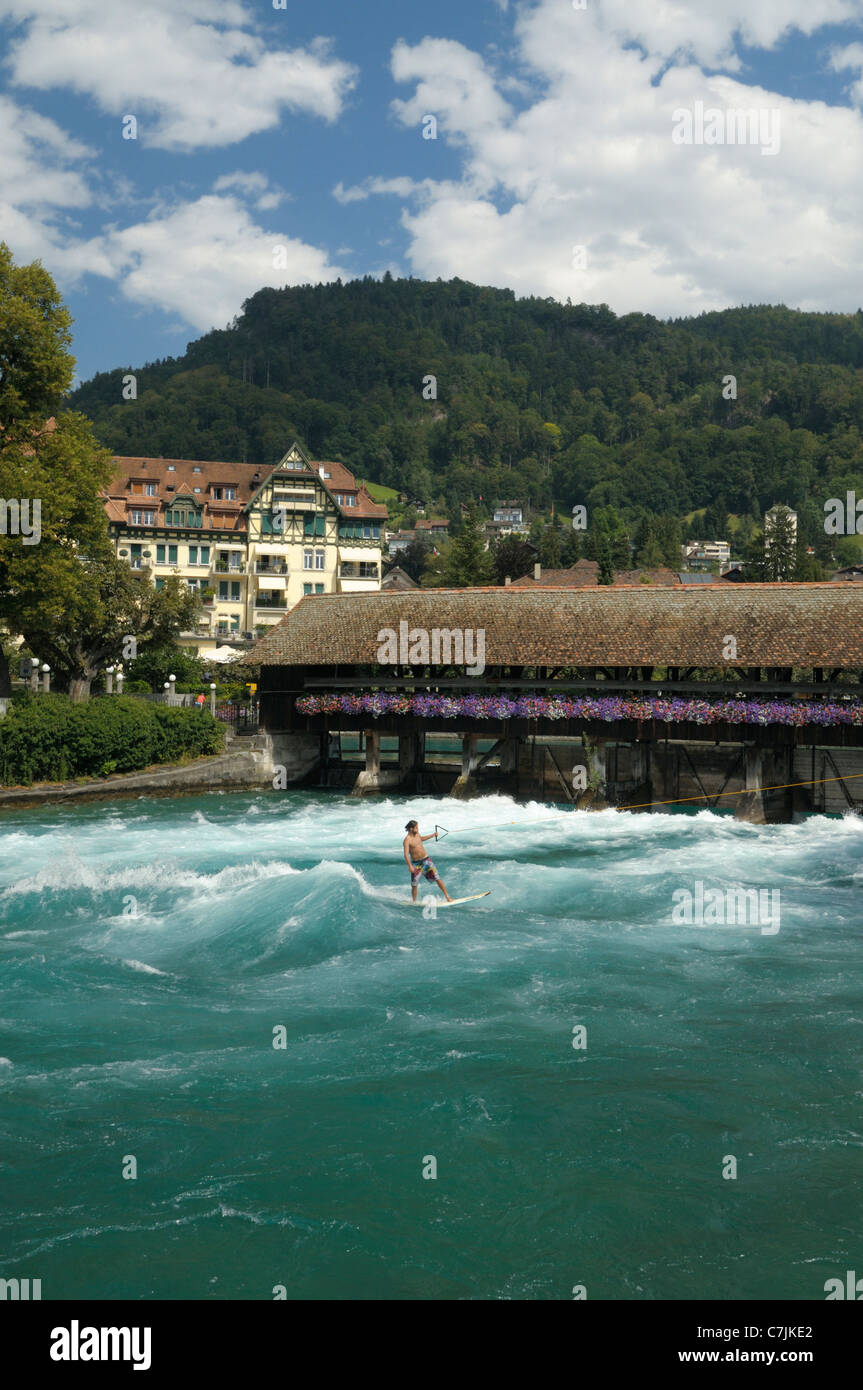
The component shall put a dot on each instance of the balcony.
(355, 571)
(278, 568)
(271, 605)
(229, 567)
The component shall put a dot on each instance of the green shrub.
(49, 739)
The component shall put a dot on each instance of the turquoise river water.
(149, 949)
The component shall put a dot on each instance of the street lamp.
(46, 678)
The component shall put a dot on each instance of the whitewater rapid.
(150, 949)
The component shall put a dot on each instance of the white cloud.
(705, 30)
(400, 187)
(202, 259)
(850, 57)
(256, 187)
(194, 73)
(589, 161)
(199, 259)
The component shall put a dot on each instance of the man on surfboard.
(413, 847)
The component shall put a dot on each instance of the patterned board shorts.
(427, 868)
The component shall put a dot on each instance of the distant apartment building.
(252, 541)
(428, 531)
(703, 555)
(508, 517)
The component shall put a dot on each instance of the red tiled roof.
(219, 514)
(584, 574)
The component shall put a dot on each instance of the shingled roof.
(774, 625)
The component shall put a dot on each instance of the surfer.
(413, 847)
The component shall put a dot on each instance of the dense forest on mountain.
(537, 401)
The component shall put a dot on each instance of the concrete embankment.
(240, 768)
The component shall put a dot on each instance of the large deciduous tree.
(61, 588)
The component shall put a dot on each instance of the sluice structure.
(745, 697)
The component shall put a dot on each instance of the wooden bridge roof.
(773, 624)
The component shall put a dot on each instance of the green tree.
(512, 558)
(606, 564)
(780, 545)
(413, 558)
(49, 458)
(98, 605)
(468, 562)
(160, 660)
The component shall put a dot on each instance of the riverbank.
(238, 769)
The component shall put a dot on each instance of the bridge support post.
(596, 758)
(466, 786)
(509, 757)
(372, 780)
(411, 757)
(771, 768)
(641, 793)
(750, 806)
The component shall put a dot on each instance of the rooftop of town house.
(807, 625)
(397, 578)
(584, 574)
(197, 479)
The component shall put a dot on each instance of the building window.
(160, 555)
(229, 590)
(320, 559)
(195, 551)
(143, 518)
(149, 489)
(171, 468)
(307, 589)
(196, 470)
(319, 588)
(160, 583)
(223, 494)
(180, 517)
(308, 559)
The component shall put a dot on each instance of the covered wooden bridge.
(662, 693)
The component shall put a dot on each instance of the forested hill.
(536, 401)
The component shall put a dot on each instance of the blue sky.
(283, 146)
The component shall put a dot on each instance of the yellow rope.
(676, 801)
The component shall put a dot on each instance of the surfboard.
(442, 902)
